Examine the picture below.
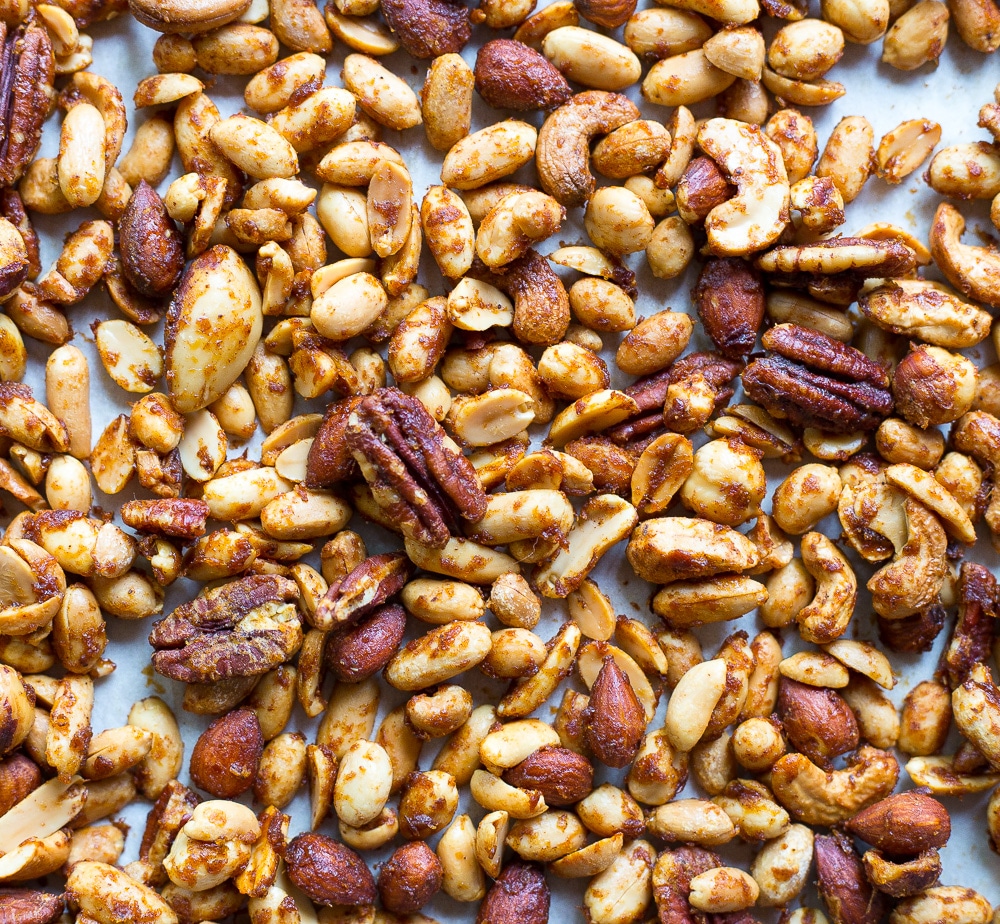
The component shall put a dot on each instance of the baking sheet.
(951, 95)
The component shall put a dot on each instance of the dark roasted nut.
(414, 472)
(356, 653)
(183, 518)
(849, 897)
(519, 895)
(904, 878)
(701, 188)
(241, 629)
(817, 721)
(29, 906)
(27, 69)
(672, 877)
(429, 28)
(168, 815)
(19, 776)
(608, 14)
(615, 720)
(816, 381)
(730, 300)
(226, 755)
(510, 75)
(410, 878)
(328, 872)
(972, 637)
(612, 465)
(330, 458)
(914, 633)
(363, 590)
(541, 304)
(152, 248)
(12, 208)
(562, 776)
(906, 823)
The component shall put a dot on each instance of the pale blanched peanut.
(547, 837)
(848, 156)
(364, 781)
(488, 155)
(463, 877)
(384, 96)
(684, 79)
(67, 391)
(449, 233)
(81, 162)
(618, 221)
(273, 88)
(805, 497)
(917, 37)
(446, 101)
(255, 147)
(670, 249)
(591, 59)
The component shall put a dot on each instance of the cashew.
(976, 706)
(562, 153)
(818, 797)
(914, 577)
(758, 213)
(826, 617)
(974, 271)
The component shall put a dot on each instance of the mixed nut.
(501, 451)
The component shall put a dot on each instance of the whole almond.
(29, 906)
(905, 823)
(730, 300)
(410, 878)
(19, 776)
(562, 776)
(510, 75)
(356, 653)
(328, 872)
(225, 758)
(842, 883)
(817, 721)
(519, 896)
(152, 248)
(428, 28)
(615, 720)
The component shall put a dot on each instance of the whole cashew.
(826, 617)
(975, 271)
(976, 706)
(562, 153)
(755, 217)
(818, 797)
(541, 304)
(913, 579)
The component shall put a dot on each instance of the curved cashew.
(818, 797)
(562, 153)
(913, 579)
(514, 224)
(974, 271)
(976, 706)
(978, 434)
(541, 304)
(826, 617)
(758, 213)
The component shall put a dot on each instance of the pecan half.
(816, 381)
(27, 69)
(429, 28)
(241, 629)
(181, 517)
(363, 590)
(422, 482)
(29, 906)
(358, 652)
(972, 637)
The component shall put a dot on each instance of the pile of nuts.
(472, 420)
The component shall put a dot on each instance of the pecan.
(241, 629)
(152, 248)
(168, 815)
(416, 476)
(511, 75)
(905, 823)
(520, 895)
(330, 458)
(358, 652)
(429, 28)
(183, 518)
(817, 721)
(903, 878)
(29, 906)
(615, 720)
(730, 300)
(816, 381)
(972, 637)
(914, 633)
(27, 69)
(842, 883)
(672, 877)
(562, 776)
(364, 589)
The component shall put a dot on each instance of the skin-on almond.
(328, 872)
(510, 75)
(225, 758)
(817, 721)
(562, 776)
(905, 823)
(615, 720)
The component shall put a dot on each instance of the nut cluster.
(305, 376)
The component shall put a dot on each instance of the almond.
(152, 249)
(510, 75)
(519, 896)
(562, 776)
(225, 758)
(842, 883)
(356, 653)
(19, 776)
(730, 299)
(29, 906)
(428, 28)
(615, 720)
(410, 878)
(328, 872)
(907, 823)
(817, 721)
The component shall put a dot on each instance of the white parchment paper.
(950, 95)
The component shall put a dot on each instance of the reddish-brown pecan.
(972, 637)
(367, 587)
(168, 815)
(914, 633)
(183, 518)
(27, 69)
(519, 896)
(328, 872)
(816, 381)
(842, 883)
(562, 776)
(817, 721)
(615, 720)
(241, 629)
(512, 75)
(152, 248)
(672, 877)
(428, 28)
(356, 653)
(29, 906)
(730, 300)
(415, 474)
